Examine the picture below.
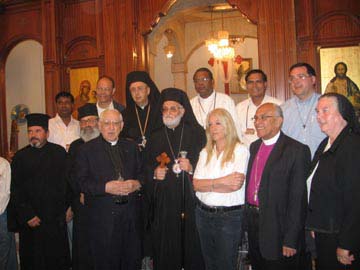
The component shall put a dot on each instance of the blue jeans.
(8, 260)
(220, 237)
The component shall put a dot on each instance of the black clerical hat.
(141, 76)
(87, 110)
(38, 119)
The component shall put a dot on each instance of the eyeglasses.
(172, 109)
(107, 89)
(107, 124)
(298, 76)
(205, 79)
(263, 117)
(88, 121)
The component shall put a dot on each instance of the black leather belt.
(217, 209)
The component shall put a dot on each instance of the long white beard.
(89, 133)
(172, 122)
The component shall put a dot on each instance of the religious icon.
(342, 84)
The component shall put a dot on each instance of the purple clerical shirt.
(256, 173)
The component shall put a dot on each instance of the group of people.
(180, 181)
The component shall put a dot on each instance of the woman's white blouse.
(213, 170)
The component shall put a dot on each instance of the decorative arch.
(4, 53)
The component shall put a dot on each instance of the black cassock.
(167, 199)
(81, 258)
(38, 188)
(131, 126)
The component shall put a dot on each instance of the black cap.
(87, 110)
(38, 119)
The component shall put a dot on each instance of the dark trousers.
(326, 245)
(258, 262)
(220, 235)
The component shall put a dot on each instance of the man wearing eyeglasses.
(300, 123)
(109, 173)
(256, 83)
(275, 194)
(299, 111)
(177, 141)
(208, 99)
(105, 90)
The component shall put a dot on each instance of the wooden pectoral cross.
(163, 159)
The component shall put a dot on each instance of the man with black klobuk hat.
(39, 199)
(178, 138)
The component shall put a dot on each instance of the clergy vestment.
(38, 188)
(80, 250)
(116, 227)
(168, 199)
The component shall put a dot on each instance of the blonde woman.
(220, 191)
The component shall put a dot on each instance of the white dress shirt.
(203, 106)
(61, 134)
(5, 179)
(246, 111)
(100, 110)
(213, 170)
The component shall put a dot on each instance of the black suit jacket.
(117, 106)
(334, 205)
(94, 169)
(282, 196)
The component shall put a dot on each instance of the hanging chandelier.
(219, 47)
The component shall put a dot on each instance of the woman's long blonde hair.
(231, 137)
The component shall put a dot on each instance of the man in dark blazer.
(275, 194)
(109, 173)
(105, 90)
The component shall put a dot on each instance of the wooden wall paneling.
(125, 33)
(247, 7)
(277, 43)
(51, 59)
(325, 23)
(20, 22)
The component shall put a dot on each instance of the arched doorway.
(24, 82)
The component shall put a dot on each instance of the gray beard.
(88, 134)
(172, 123)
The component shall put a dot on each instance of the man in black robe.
(89, 130)
(175, 237)
(141, 100)
(39, 198)
(109, 173)
(142, 96)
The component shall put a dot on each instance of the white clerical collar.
(272, 140)
(208, 99)
(112, 142)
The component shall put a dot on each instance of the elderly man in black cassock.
(109, 173)
(89, 130)
(39, 199)
(172, 153)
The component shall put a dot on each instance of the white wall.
(24, 82)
